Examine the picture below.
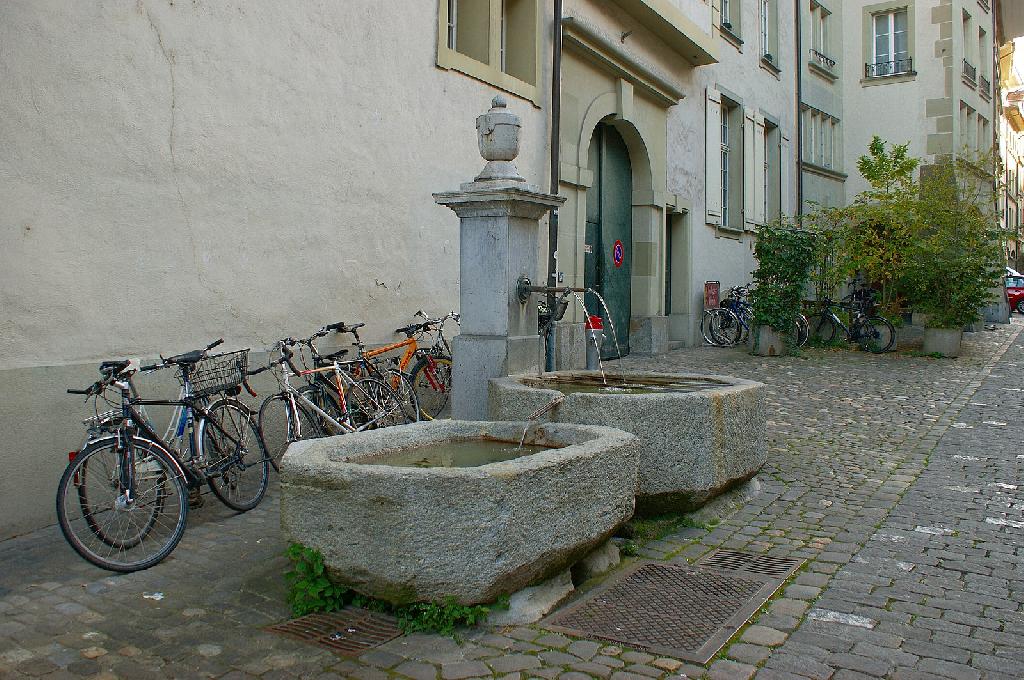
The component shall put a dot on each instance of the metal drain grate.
(351, 631)
(767, 565)
(687, 612)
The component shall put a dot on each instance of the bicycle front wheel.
(237, 465)
(823, 328)
(110, 527)
(432, 382)
(876, 335)
(280, 425)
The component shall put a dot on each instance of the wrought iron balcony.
(970, 71)
(889, 68)
(984, 86)
(823, 60)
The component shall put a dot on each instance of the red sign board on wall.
(711, 291)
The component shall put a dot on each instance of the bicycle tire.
(432, 381)
(802, 330)
(705, 328)
(879, 337)
(280, 429)
(823, 327)
(373, 404)
(403, 388)
(162, 488)
(237, 464)
(725, 327)
(326, 400)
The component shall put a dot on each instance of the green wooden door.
(607, 255)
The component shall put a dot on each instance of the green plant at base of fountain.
(311, 591)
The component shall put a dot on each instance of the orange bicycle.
(431, 375)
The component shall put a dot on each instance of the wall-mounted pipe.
(797, 5)
(556, 119)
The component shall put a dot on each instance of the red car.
(1015, 292)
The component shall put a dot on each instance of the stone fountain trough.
(400, 532)
(699, 435)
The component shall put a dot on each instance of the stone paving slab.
(882, 473)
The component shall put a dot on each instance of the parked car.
(1015, 292)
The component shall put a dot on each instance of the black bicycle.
(871, 332)
(123, 500)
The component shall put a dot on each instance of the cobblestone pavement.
(883, 473)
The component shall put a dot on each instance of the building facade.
(178, 172)
(1011, 150)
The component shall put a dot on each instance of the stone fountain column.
(499, 216)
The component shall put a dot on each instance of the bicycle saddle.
(333, 355)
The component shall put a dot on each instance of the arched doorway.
(608, 256)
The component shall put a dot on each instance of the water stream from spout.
(535, 416)
(611, 324)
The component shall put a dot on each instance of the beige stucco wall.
(714, 254)
(176, 172)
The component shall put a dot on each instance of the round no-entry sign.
(618, 253)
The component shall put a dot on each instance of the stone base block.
(596, 563)
(945, 341)
(648, 335)
(531, 604)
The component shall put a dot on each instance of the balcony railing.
(984, 86)
(970, 71)
(822, 60)
(889, 68)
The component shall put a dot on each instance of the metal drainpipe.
(556, 112)
(797, 4)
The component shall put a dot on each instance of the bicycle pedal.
(195, 499)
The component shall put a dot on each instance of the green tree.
(956, 255)
(881, 221)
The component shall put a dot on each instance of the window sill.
(886, 80)
(451, 60)
(817, 69)
(731, 37)
(769, 65)
(968, 81)
(816, 169)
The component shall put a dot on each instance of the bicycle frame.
(294, 396)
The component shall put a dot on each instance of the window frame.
(492, 71)
(872, 73)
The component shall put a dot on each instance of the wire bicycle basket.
(214, 374)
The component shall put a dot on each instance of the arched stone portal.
(598, 105)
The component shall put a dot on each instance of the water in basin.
(629, 384)
(464, 453)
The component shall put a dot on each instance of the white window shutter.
(749, 169)
(759, 179)
(713, 157)
(785, 165)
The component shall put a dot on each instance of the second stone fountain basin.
(698, 435)
(419, 513)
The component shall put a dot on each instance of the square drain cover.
(682, 611)
(350, 632)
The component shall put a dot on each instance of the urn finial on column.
(498, 138)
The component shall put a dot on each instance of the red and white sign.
(618, 253)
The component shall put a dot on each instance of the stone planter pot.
(945, 341)
(766, 342)
(693, 445)
(407, 534)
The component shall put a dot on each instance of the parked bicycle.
(871, 332)
(123, 500)
(330, 402)
(730, 323)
